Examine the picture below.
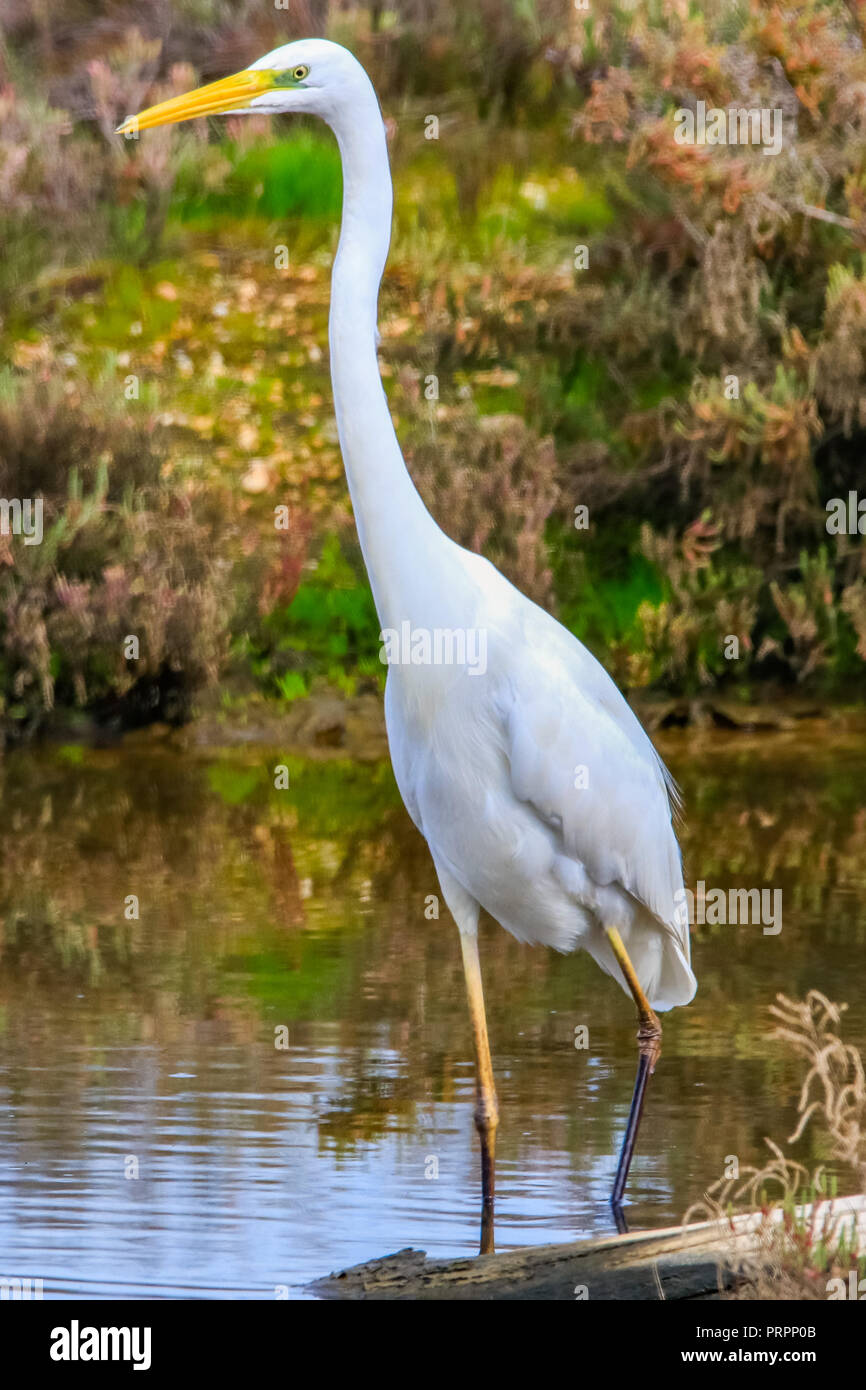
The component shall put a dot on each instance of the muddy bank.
(354, 726)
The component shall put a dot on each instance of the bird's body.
(539, 794)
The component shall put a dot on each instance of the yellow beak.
(229, 94)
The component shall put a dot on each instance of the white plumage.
(537, 790)
(488, 765)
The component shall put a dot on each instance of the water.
(154, 1141)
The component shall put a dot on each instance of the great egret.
(538, 792)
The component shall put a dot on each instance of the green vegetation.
(329, 627)
(695, 380)
(297, 177)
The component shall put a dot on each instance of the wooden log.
(680, 1262)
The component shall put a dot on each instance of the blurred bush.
(745, 270)
(699, 386)
(125, 552)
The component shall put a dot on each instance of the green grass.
(329, 629)
(604, 590)
(295, 177)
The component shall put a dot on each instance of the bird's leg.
(649, 1042)
(486, 1108)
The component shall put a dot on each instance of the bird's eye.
(292, 76)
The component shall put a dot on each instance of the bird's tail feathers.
(660, 963)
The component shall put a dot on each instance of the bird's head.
(311, 76)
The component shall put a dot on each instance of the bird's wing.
(581, 759)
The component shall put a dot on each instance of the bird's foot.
(649, 1040)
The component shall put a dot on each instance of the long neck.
(398, 536)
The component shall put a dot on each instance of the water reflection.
(151, 1041)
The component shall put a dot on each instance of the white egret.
(537, 790)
